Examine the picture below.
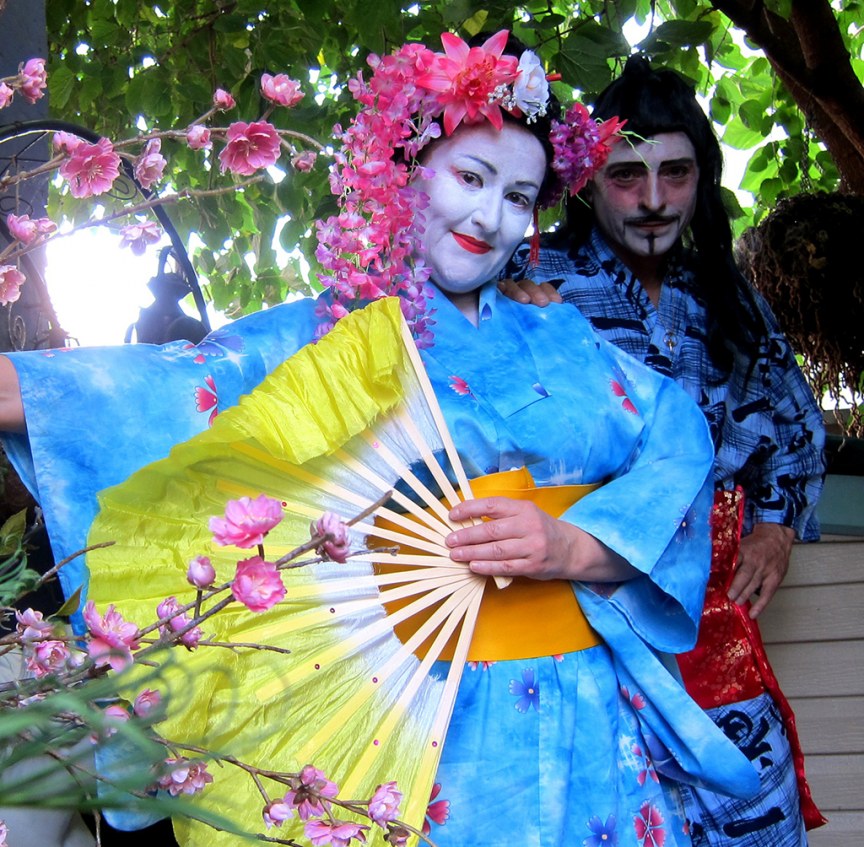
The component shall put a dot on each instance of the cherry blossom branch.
(52, 572)
(90, 168)
(113, 644)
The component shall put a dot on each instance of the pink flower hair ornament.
(369, 249)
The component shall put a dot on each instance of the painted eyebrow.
(641, 163)
(684, 160)
(528, 183)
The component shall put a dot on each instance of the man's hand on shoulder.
(762, 564)
(530, 293)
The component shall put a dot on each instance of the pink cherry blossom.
(336, 547)
(173, 620)
(335, 832)
(397, 836)
(466, 79)
(91, 168)
(146, 703)
(150, 164)
(184, 776)
(114, 716)
(11, 280)
(276, 812)
(34, 79)
(139, 236)
(6, 95)
(461, 387)
(66, 142)
(257, 584)
(250, 147)
(223, 100)
(198, 137)
(309, 792)
(304, 161)
(201, 573)
(31, 625)
(45, 657)
(117, 714)
(384, 805)
(112, 639)
(281, 89)
(369, 249)
(27, 230)
(246, 521)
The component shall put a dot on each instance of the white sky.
(97, 287)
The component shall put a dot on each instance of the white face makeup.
(644, 198)
(481, 199)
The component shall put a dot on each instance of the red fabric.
(534, 254)
(729, 662)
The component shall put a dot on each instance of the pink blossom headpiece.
(369, 249)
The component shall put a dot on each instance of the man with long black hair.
(646, 255)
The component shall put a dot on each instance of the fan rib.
(351, 642)
(466, 601)
(367, 474)
(359, 501)
(428, 457)
(402, 470)
(438, 528)
(435, 410)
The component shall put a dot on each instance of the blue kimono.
(574, 748)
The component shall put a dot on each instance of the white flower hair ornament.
(369, 249)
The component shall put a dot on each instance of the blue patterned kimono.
(556, 750)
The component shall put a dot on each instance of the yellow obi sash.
(530, 617)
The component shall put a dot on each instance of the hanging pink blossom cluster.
(30, 82)
(369, 250)
(309, 796)
(581, 147)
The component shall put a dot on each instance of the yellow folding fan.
(333, 429)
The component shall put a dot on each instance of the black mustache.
(652, 219)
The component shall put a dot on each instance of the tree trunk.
(808, 54)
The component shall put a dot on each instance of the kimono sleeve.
(656, 512)
(96, 415)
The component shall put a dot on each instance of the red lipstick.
(472, 245)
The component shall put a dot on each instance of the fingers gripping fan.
(332, 429)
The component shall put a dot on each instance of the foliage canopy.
(114, 63)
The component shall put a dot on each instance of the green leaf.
(677, 34)
(739, 136)
(582, 60)
(61, 84)
(103, 28)
(71, 604)
(752, 114)
(12, 533)
(731, 204)
(228, 23)
(720, 109)
(782, 8)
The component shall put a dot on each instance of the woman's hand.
(518, 539)
(11, 407)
